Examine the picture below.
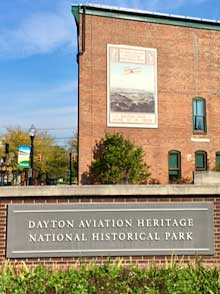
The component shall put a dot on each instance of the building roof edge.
(114, 11)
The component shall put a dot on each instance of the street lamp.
(2, 179)
(70, 165)
(32, 133)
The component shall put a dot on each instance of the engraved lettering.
(48, 224)
(57, 237)
(32, 238)
(105, 223)
(142, 236)
(165, 222)
(190, 222)
(31, 224)
(95, 236)
(121, 236)
(189, 236)
(130, 237)
(178, 236)
(156, 222)
(140, 222)
(45, 224)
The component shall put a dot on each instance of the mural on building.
(132, 86)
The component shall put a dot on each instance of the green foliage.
(111, 278)
(182, 180)
(50, 161)
(118, 161)
(73, 144)
(56, 163)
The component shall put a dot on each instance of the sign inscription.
(110, 229)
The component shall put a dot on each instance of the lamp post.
(1, 163)
(70, 166)
(32, 133)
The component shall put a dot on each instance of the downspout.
(83, 44)
(80, 53)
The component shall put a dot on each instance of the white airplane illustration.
(131, 70)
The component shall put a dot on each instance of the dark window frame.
(204, 159)
(217, 162)
(177, 169)
(196, 117)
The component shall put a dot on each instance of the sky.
(135, 79)
(38, 69)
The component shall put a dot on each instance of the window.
(200, 160)
(217, 161)
(199, 115)
(174, 167)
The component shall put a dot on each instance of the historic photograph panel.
(132, 86)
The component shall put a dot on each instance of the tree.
(73, 146)
(56, 164)
(117, 161)
(50, 160)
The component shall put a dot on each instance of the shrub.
(185, 181)
(117, 161)
(111, 279)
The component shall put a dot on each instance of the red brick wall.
(187, 66)
(138, 260)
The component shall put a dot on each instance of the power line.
(62, 138)
(54, 129)
(44, 129)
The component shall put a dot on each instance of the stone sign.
(110, 229)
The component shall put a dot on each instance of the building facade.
(153, 78)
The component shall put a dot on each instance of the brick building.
(155, 79)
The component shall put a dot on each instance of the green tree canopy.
(50, 160)
(118, 161)
(73, 144)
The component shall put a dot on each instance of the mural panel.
(132, 87)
